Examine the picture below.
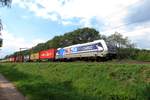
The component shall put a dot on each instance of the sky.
(29, 22)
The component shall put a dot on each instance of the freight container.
(60, 53)
(19, 58)
(47, 54)
(12, 59)
(34, 56)
(26, 58)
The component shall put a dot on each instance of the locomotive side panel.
(92, 49)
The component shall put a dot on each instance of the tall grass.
(80, 80)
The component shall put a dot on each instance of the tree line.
(125, 48)
(80, 36)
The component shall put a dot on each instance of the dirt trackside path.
(8, 91)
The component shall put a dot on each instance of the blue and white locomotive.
(95, 49)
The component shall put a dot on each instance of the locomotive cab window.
(99, 44)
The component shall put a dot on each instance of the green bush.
(127, 53)
(143, 56)
(133, 54)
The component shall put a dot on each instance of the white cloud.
(141, 36)
(12, 43)
(110, 12)
(66, 22)
(85, 9)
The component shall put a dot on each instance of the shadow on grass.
(65, 91)
(146, 92)
(12, 73)
(62, 91)
(36, 88)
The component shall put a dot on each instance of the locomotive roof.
(83, 44)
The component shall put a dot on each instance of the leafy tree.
(125, 49)
(78, 36)
(2, 4)
(5, 3)
(119, 41)
(1, 42)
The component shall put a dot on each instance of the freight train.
(96, 50)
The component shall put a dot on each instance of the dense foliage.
(5, 3)
(1, 42)
(80, 81)
(75, 37)
(78, 36)
(133, 54)
(125, 49)
(2, 4)
(119, 41)
(143, 55)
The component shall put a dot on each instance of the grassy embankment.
(80, 80)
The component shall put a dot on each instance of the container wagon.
(34, 57)
(47, 54)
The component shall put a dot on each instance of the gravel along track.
(8, 91)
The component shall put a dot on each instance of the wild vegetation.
(133, 54)
(125, 48)
(80, 80)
